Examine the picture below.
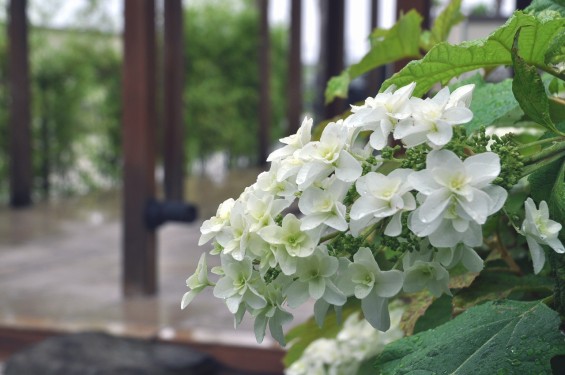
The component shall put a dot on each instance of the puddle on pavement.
(49, 217)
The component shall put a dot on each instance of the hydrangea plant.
(407, 198)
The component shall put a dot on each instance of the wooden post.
(20, 128)
(421, 6)
(334, 50)
(295, 68)
(173, 146)
(522, 4)
(139, 118)
(264, 84)
(375, 77)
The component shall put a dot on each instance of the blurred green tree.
(222, 79)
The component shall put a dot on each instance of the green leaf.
(555, 54)
(401, 41)
(304, 334)
(494, 285)
(439, 312)
(338, 86)
(448, 18)
(493, 103)
(557, 197)
(445, 61)
(416, 307)
(505, 337)
(540, 181)
(556, 205)
(529, 90)
(544, 6)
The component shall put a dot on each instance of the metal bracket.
(158, 213)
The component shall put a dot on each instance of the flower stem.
(542, 163)
(541, 142)
(550, 151)
(328, 237)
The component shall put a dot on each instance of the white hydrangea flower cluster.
(355, 343)
(277, 241)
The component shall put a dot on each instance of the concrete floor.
(60, 270)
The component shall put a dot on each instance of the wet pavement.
(60, 270)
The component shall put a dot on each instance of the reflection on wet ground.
(60, 269)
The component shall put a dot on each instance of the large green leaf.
(555, 54)
(529, 90)
(401, 41)
(439, 312)
(542, 181)
(491, 285)
(493, 103)
(539, 6)
(446, 61)
(557, 197)
(557, 213)
(505, 337)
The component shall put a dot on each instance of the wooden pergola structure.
(139, 111)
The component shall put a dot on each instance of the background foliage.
(222, 74)
(76, 93)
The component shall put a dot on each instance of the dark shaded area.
(558, 365)
(102, 354)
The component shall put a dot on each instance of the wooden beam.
(19, 126)
(421, 6)
(522, 4)
(173, 137)
(294, 97)
(139, 133)
(334, 50)
(264, 82)
(376, 76)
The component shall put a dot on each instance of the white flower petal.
(538, 256)
(443, 158)
(457, 115)
(442, 136)
(375, 310)
(348, 168)
(424, 182)
(482, 168)
(394, 227)
(461, 96)
(364, 206)
(317, 287)
(434, 205)
(471, 260)
(388, 283)
(297, 294)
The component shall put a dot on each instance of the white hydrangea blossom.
(433, 118)
(320, 224)
(456, 197)
(381, 114)
(383, 196)
(355, 342)
(540, 230)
